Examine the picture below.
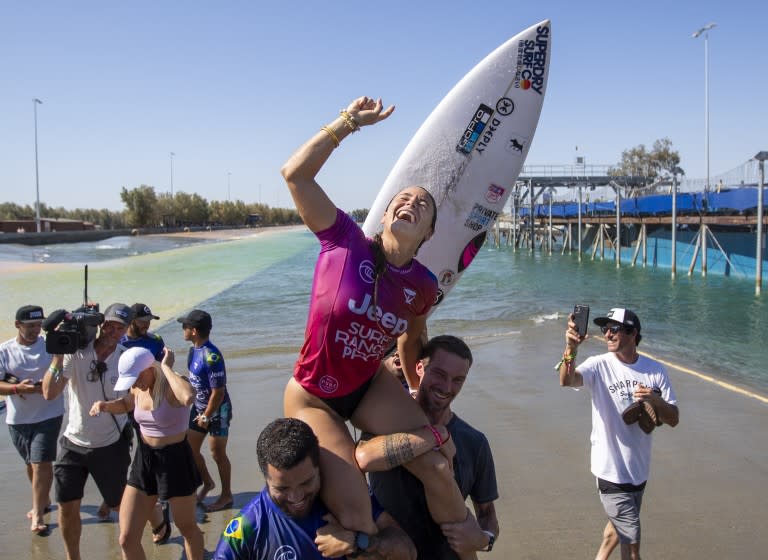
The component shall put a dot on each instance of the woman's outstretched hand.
(367, 111)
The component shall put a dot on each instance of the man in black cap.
(631, 394)
(95, 445)
(138, 333)
(212, 412)
(33, 422)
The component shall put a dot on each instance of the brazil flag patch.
(234, 529)
(212, 358)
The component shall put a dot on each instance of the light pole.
(172, 154)
(228, 176)
(761, 157)
(35, 103)
(705, 31)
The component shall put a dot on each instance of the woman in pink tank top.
(366, 294)
(163, 466)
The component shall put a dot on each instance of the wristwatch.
(203, 417)
(491, 540)
(362, 542)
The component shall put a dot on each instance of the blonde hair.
(160, 390)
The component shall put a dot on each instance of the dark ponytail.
(379, 264)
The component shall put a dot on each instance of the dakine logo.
(285, 552)
(367, 272)
(494, 193)
(447, 277)
(409, 295)
(328, 384)
(505, 106)
(532, 61)
(474, 129)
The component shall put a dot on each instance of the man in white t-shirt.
(95, 445)
(631, 395)
(33, 422)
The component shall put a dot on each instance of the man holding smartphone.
(621, 448)
(33, 422)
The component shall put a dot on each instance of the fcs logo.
(367, 272)
(409, 295)
(285, 552)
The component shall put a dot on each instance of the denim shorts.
(218, 424)
(36, 443)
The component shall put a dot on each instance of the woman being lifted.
(365, 295)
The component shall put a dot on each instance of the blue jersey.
(262, 531)
(206, 372)
(151, 341)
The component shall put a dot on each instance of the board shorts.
(166, 472)
(107, 465)
(36, 443)
(345, 406)
(218, 424)
(621, 503)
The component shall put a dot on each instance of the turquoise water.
(257, 290)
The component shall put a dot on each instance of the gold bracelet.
(332, 135)
(349, 120)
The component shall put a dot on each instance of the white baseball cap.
(132, 363)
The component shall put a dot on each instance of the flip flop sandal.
(161, 533)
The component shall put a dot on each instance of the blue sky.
(235, 87)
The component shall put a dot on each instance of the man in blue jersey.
(212, 411)
(138, 333)
(287, 518)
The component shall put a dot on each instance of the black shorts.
(107, 465)
(345, 406)
(166, 472)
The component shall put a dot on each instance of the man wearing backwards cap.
(631, 394)
(94, 445)
(33, 422)
(138, 333)
(212, 412)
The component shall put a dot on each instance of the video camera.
(75, 329)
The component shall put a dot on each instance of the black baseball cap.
(620, 315)
(30, 314)
(197, 318)
(142, 311)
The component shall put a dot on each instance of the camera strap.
(104, 393)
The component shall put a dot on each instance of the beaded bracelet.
(349, 120)
(332, 135)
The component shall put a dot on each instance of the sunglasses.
(615, 329)
(97, 370)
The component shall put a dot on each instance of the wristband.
(438, 440)
(15, 389)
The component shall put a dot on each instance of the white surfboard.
(470, 150)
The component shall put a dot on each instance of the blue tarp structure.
(737, 200)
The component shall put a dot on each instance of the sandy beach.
(705, 499)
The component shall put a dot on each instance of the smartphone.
(10, 378)
(581, 318)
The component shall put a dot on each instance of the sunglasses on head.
(97, 370)
(615, 329)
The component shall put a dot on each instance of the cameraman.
(95, 445)
(33, 422)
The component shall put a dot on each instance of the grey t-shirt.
(402, 495)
